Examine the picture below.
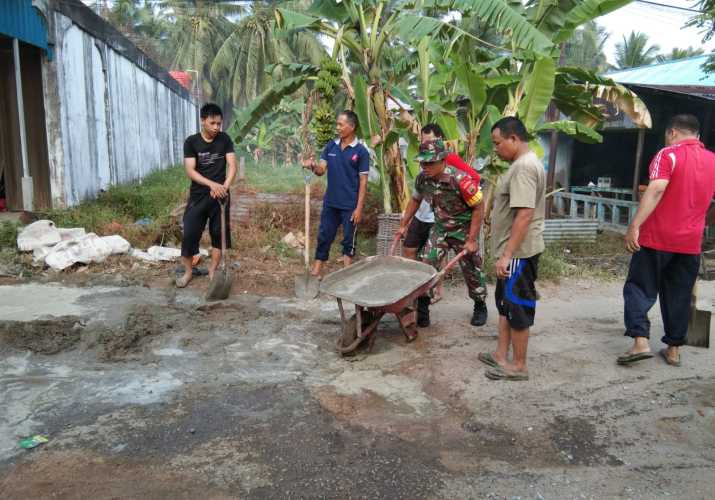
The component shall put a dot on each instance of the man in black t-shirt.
(206, 156)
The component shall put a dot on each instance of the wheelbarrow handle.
(451, 264)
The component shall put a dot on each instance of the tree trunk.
(390, 160)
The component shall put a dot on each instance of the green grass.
(154, 198)
(281, 179)
(603, 260)
(8, 234)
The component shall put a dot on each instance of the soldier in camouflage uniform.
(457, 203)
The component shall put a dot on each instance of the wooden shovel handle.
(307, 223)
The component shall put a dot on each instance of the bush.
(8, 234)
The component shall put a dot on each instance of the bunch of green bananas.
(328, 78)
(323, 122)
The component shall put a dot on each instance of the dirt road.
(149, 393)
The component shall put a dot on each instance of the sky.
(663, 26)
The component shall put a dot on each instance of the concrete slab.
(248, 399)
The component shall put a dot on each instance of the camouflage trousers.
(471, 264)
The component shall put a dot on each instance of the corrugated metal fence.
(118, 122)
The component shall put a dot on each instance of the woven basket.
(387, 226)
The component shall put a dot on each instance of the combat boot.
(479, 316)
(423, 312)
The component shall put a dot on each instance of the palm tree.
(634, 51)
(585, 48)
(677, 53)
(138, 21)
(198, 30)
(241, 63)
(706, 22)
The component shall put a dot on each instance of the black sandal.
(633, 357)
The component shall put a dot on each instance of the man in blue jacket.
(347, 163)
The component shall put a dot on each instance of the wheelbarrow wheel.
(349, 334)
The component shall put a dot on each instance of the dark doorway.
(10, 153)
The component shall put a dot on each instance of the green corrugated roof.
(681, 72)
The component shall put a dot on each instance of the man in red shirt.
(665, 238)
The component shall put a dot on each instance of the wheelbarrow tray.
(378, 281)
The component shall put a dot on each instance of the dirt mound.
(142, 322)
(43, 336)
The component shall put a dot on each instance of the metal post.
(27, 189)
(553, 145)
(637, 168)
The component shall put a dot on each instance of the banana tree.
(520, 75)
(363, 32)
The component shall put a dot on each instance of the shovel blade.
(220, 285)
(306, 286)
(699, 329)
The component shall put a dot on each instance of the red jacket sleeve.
(455, 161)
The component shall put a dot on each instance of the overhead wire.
(673, 7)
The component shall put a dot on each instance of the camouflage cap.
(431, 151)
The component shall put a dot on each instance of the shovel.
(306, 285)
(220, 285)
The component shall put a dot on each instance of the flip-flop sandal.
(487, 359)
(633, 357)
(664, 354)
(195, 271)
(501, 374)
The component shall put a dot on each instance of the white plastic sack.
(39, 254)
(156, 253)
(117, 244)
(89, 248)
(38, 234)
(141, 254)
(72, 233)
(164, 253)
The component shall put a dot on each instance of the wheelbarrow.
(377, 286)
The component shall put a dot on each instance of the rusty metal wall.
(117, 122)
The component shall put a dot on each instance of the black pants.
(656, 274)
(417, 234)
(199, 210)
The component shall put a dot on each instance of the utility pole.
(196, 92)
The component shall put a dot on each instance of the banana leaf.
(500, 15)
(538, 88)
(473, 86)
(246, 118)
(574, 129)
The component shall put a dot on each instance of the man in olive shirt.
(517, 221)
